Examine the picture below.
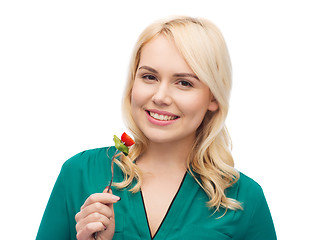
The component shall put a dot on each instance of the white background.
(63, 66)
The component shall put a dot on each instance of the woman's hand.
(97, 215)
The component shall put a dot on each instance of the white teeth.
(162, 117)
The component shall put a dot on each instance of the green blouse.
(188, 216)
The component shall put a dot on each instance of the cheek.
(136, 97)
(195, 106)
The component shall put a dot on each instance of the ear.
(213, 105)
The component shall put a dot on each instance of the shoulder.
(88, 171)
(248, 184)
(255, 209)
(87, 159)
(246, 190)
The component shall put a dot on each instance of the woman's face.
(168, 101)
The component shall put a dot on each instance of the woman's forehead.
(161, 53)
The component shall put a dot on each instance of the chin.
(166, 138)
(159, 139)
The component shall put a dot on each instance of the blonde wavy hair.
(210, 161)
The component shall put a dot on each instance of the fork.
(112, 168)
(112, 177)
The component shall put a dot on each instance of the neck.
(166, 157)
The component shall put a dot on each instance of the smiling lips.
(161, 118)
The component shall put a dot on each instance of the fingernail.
(115, 198)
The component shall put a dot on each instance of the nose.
(162, 95)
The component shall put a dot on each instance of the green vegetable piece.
(120, 145)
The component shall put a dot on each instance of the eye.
(185, 83)
(149, 77)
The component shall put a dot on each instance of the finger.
(95, 207)
(105, 198)
(89, 229)
(110, 192)
(94, 217)
(111, 206)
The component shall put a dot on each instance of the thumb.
(114, 197)
(109, 231)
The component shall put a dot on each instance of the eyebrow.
(149, 69)
(175, 75)
(186, 75)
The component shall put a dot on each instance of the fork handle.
(112, 170)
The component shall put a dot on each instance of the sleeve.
(261, 225)
(55, 221)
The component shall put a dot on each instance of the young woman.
(178, 182)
